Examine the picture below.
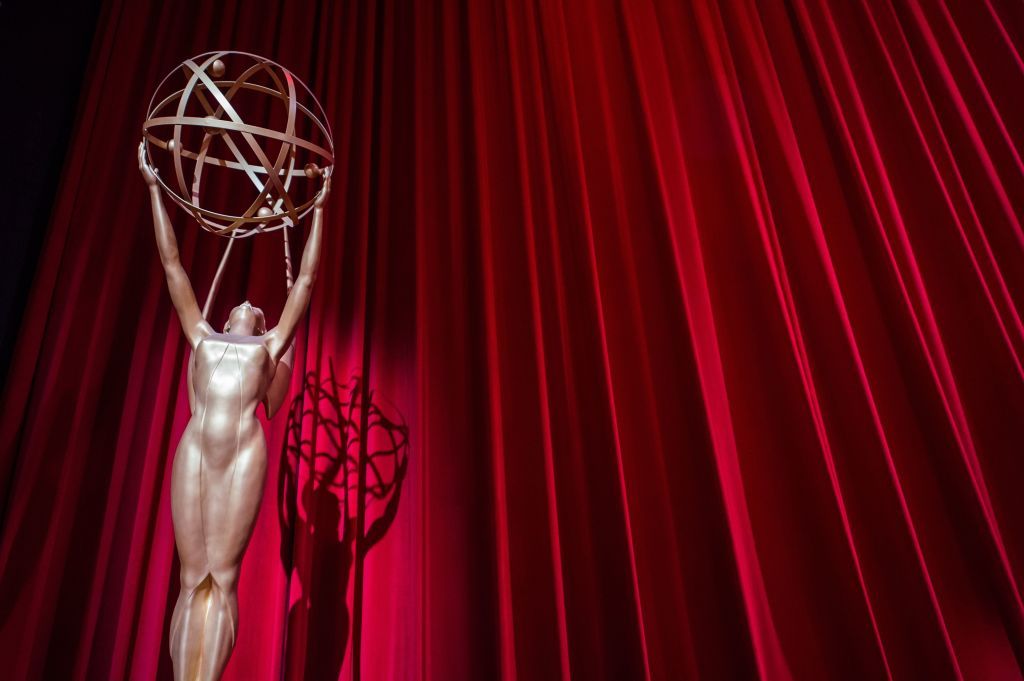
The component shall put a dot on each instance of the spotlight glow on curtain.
(703, 318)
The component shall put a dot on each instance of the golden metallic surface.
(220, 120)
(220, 462)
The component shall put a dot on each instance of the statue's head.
(246, 320)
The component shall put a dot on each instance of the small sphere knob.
(264, 212)
(172, 145)
(312, 170)
(217, 68)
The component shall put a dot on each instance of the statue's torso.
(230, 377)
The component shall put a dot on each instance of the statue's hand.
(148, 172)
(322, 196)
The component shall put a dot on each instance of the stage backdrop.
(693, 331)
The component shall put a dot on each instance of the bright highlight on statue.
(280, 152)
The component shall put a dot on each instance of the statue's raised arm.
(280, 337)
(182, 296)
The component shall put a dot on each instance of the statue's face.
(246, 320)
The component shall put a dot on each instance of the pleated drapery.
(693, 332)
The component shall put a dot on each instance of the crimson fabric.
(704, 320)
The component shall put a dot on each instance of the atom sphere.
(281, 147)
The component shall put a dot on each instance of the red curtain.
(702, 320)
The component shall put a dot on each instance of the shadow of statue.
(317, 507)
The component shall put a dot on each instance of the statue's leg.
(231, 504)
(190, 611)
(188, 624)
(221, 623)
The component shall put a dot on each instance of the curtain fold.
(691, 335)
